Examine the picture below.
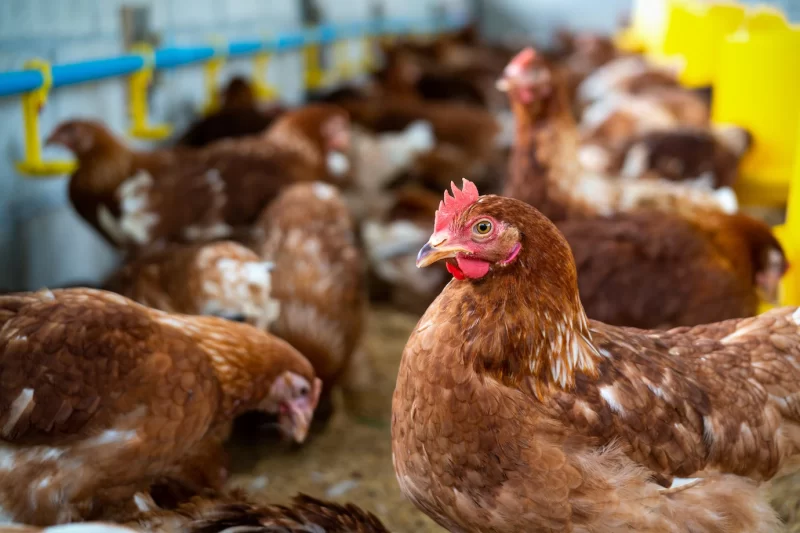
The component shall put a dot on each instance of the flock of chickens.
(525, 400)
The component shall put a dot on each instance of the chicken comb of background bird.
(452, 205)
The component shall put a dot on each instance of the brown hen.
(318, 279)
(545, 170)
(101, 397)
(514, 412)
(139, 199)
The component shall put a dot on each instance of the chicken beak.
(301, 412)
(56, 138)
(431, 253)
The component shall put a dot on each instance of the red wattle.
(454, 271)
(472, 268)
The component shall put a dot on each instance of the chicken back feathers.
(513, 411)
(102, 394)
(657, 270)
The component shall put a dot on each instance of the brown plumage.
(514, 412)
(222, 278)
(657, 270)
(318, 279)
(235, 512)
(239, 116)
(101, 396)
(215, 513)
(544, 168)
(139, 199)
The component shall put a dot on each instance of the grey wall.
(540, 18)
(42, 242)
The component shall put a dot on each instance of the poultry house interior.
(422, 266)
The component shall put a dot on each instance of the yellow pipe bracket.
(138, 85)
(211, 70)
(314, 75)
(368, 62)
(32, 104)
(344, 66)
(264, 90)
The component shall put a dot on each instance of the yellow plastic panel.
(695, 32)
(756, 87)
(765, 18)
(789, 235)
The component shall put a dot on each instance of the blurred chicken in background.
(223, 279)
(239, 115)
(143, 199)
(318, 279)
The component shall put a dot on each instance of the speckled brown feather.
(100, 395)
(223, 278)
(318, 278)
(497, 428)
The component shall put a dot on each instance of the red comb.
(523, 60)
(452, 205)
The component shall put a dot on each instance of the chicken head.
(294, 399)
(471, 242)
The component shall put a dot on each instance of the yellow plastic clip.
(315, 76)
(344, 66)
(264, 90)
(368, 54)
(212, 68)
(138, 84)
(32, 104)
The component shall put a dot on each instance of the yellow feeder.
(756, 88)
(695, 32)
(648, 24)
(264, 90)
(212, 69)
(138, 85)
(765, 18)
(32, 103)
(789, 235)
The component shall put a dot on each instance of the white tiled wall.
(42, 242)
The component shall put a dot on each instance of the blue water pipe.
(22, 81)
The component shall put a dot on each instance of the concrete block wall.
(42, 242)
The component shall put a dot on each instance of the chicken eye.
(482, 227)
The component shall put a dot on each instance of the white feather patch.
(18, 407)
(338, 164)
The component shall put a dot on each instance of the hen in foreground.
(101, 396)
(514, 412)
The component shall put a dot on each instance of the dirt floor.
(351, 461)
